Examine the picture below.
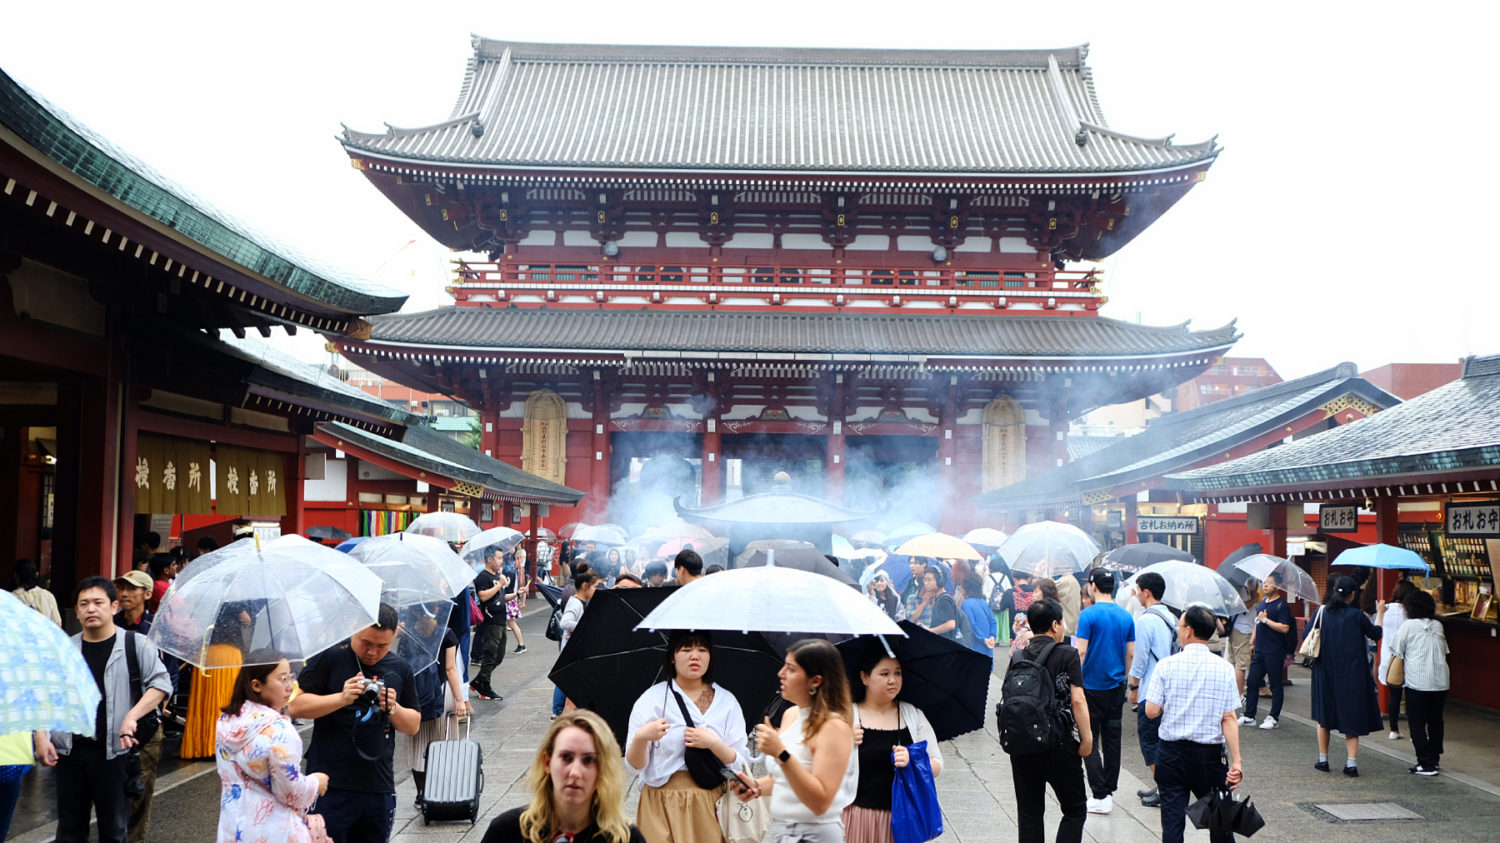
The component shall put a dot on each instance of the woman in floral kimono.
(265, 796)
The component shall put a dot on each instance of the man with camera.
(358, 695)
(102, 770)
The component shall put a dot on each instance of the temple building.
(684, 269)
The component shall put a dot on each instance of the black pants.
(85, 781)
(491, 652)
(1184, 767)
(1103, 765)
(1393, 706)
(1031, 775)
(1267, 666)
(1424, 720)
(353, 816)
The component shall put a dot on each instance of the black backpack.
(1029, 715)
(963, 629)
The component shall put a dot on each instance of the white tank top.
(784, 802)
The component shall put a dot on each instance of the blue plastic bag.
(915, 814)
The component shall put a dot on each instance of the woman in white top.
(884, 728)
(32, 595)
(1389, 617)
(1423, 649)
(813, 774)
(674, 808)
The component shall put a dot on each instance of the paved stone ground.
(975, 788)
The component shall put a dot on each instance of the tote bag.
(915, 814)
(1312, 645)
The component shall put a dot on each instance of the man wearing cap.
(134, 589)
(1106, 644)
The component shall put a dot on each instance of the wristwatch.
(1135, 686)
(784, 756)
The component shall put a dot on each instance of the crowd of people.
(830, 754)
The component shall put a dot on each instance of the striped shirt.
(1194, 688)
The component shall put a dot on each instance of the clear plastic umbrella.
(770, 599)
(432, 561)
(868, 538)
(291, 595)
(1049, 549)
(45, 685)
(448, 526)
(1188, 584)
(1297, 583)
(475, 549)
(605, 534)
(985, 538)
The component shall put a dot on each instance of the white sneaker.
(1267, 724)
(1101, 806)
(1393, 736)
(1245, 721)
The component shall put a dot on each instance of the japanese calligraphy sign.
(170, 476)
(249, 483)
(1338, 518)
(1480, 519)
(1174, 524)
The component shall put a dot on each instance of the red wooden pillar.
(433, 501)
(712, 487)
(946, 469)
(1387, 525)
(489, 430)
(599, 477)
(294, 468)
(1132, 512)
(125, 522)
(833, 463)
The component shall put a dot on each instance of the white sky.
(1340, 223)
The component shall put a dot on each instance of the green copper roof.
(96, 160)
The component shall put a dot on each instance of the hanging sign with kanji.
(170, 476)
(1475, 519)
(1338, 518)
(249, 483)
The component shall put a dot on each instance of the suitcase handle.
(468, 725)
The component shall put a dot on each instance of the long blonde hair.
(539, 822)
(817, 657)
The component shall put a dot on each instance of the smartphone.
(737, 778)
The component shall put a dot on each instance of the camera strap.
(145, 727)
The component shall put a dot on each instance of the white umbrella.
(1297, 583)
(1188, 584)
(448, 526)
(939, 546)
(291, 595)
(606, 534)
(1061, 548)
(770, 599)
(425, 563)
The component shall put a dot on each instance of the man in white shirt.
(1194, 694)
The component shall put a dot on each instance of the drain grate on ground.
(1367, 812)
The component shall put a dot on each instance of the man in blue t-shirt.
(1106, 643)
(1273, 618)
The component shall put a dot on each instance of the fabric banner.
(249, 483)
(171, 476)
(378, 522)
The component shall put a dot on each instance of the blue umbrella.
(350, 544)
(1383, 556)
(44, 682)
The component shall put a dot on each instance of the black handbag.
(702, 764)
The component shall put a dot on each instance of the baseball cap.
(135, 579)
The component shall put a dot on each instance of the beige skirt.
(867, 825)
(679, 811)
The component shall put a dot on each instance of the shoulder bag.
(1312, 645)
(702, 764)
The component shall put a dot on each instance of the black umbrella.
(946, 680)
(1229, 571)
(333, 534)
(1133, 557)
(803, 559)
(608, 664)
(1221, 811)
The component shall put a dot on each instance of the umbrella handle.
(887, 645)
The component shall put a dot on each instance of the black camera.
(135, 784)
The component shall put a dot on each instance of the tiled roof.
(428, 450)
(749, 109)
(453, 328)
(1455, 427)
(1083, 446)
(1181, 439)
(280, 371)
(94, 159)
